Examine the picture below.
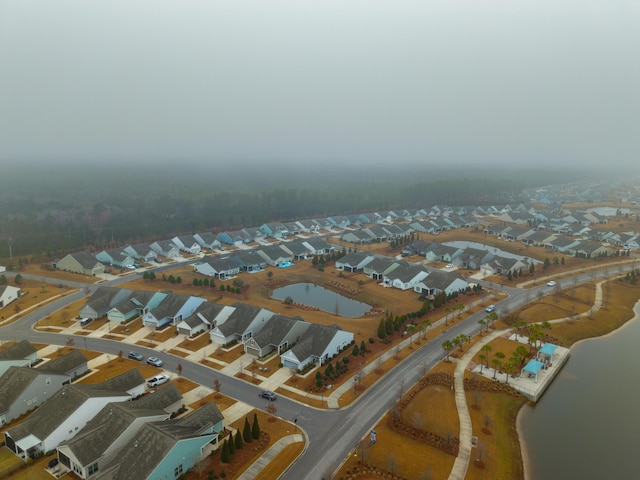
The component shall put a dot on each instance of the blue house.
(167, 449)
(172, 310)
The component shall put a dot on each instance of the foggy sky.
(547, 82)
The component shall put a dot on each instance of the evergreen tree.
(363, 347)
(232, 445)
(246, 432)
(225, 455)
(382, 331)
(238, 440)
(255, 429)
(355, 351)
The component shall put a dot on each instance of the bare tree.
(216, 385)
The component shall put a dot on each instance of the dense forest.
(45, 213)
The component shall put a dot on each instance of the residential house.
(171, 310)
(166, 248)
(59, 419)
(318, 246)
(379, 266)
(187, 243)
(166, 449)
(354, 261)
(297, 250)
(405, 277)
(472, 258)
(275, 230)
(255, 234)
(8, 294)
(442, 253)
(84, 263)
(318, 344)
(249, 261)
(103, 300)
(417, 247)
(309, 226)
(221, 268)
(207, 240)
(499, 265)
(72, 365)
(293, 228)
(115, 257)
(21, 354)
(358, 237)
(102, 438)
(438, 281)
(339, 221)
(206, 316)
(234, 238)
(243, 323)
(588, 249)
(141, 252)
(279, 333)
(22, 389)
(275, 255)
(137, 304)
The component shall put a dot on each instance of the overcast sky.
(352, 82)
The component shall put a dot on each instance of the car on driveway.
(490, 308)
(155, 361)
(135, 356)
(449, 266)
(551, 284)
(268, 395)
(157, 380)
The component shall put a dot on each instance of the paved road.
(331, 434)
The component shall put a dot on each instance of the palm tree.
(460, 307)
(495, 362)
(522, 353)
(500, 356)
(446, 317)
(455, 341)
(482, 357)
(461, 339)
(507, 367)
(447, 346)
(487, 348)
(427, 324)
(482, 323)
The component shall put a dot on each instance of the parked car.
(490, 308)
(155, 361)
(551, 284)
(449, 266)
(52, 463)
(135, 356)
(268, 395)
(85, 321)
(157, 380)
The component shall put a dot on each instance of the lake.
(586, 424)
(322, 298)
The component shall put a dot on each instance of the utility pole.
(10, 252)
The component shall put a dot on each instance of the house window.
(178, 471)
(93, 468)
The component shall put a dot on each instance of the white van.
(85, 321)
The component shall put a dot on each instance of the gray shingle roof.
(64, 403)
(161, 398)
(275, 330)
(104, 429)
(125, 381)
(17, 351)
(151, 444)
(12, 383)
(314, 341)
(85, 259)
(240, 319)
(66, 363)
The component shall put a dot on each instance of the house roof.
(18, 351)
(162, 398)
(441, 280)
(314, 341)
(240, 319)
(66, 363)
(85, 259)
(105, 428)
(125, 381)
(170, 306)
(406, 272)
(12, 383)
(106, 297)
(153, 443)
(220, 264)
(275, 330)
(62, 404)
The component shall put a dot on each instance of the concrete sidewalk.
(268, 456)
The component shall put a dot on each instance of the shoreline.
(524, 455)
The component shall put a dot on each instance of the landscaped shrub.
(255, 429)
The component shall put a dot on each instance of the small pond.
(322, 298)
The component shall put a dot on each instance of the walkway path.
(268, 456)
(461, 464)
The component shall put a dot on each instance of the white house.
(8, 294)
(318, 344)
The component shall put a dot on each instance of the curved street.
(330, 434)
